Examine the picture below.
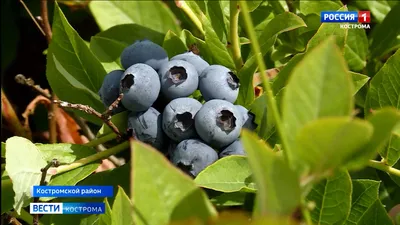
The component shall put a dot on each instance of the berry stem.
(383, 167)
(234, 34)
(101, 140)
(306, 213)
(189, 12)
(98, 156)
(271, 102)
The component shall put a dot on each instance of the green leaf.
(23, 166)
(327, 30)
(122, 209)
(109, 44)
(220, 52)
(385, 35)
(366, 207)
(308, 7)
(191, 40)
(72, 66)
(356, 49)
(319, 86)
(385, 85)
(384, 91)
(152, 14)
(359, 80)
(281, 23)
(65, 154)
(217, 19)
(173, 44)
(246, 91)
(105, 219)
(278, 186)
(383, 121)
(119, 120)
(332, 198)
(162, 192)
(229, 199)
(284, 75)
(229, 174)
(114, 177)
(328, 143)
(7, 194)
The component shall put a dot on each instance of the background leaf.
(356, 49)
(65, 154)
(384, 91)
(119, 120)
(366, 207)
(332, 198)
(72, 66)
(228, 174)
(173, 44)
(151, 14)
(385, 36)
(278, 186)
(109, 44)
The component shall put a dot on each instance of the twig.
(290, 5)
(53, 107)
(383, 167)
(45, 18)
(21, 79)
(234, 34)
(107, 114)
(91, 111)
(33, 18)
(53, 163)
(8, 113)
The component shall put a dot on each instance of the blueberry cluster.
(157, 94)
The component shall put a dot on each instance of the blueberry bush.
(218, 112)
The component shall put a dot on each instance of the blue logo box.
(339, 17)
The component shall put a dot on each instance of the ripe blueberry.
(199, 63)
(144, 51)
(178, 118)
(236, 148)
(192, 156)
(141, 86)
(147, 127)
(109, 90)
(247, 117)
(218, 82)
(218, 123)
(178, 79)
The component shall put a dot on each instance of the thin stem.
(383, 167)
(189, 12)
(33, 18)
(90, 135)
(306, 214)
(53, 107)
(265, 83)
(11, 118)
(45, 18)
(98, 156)
(98, 141)
(234, 34)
